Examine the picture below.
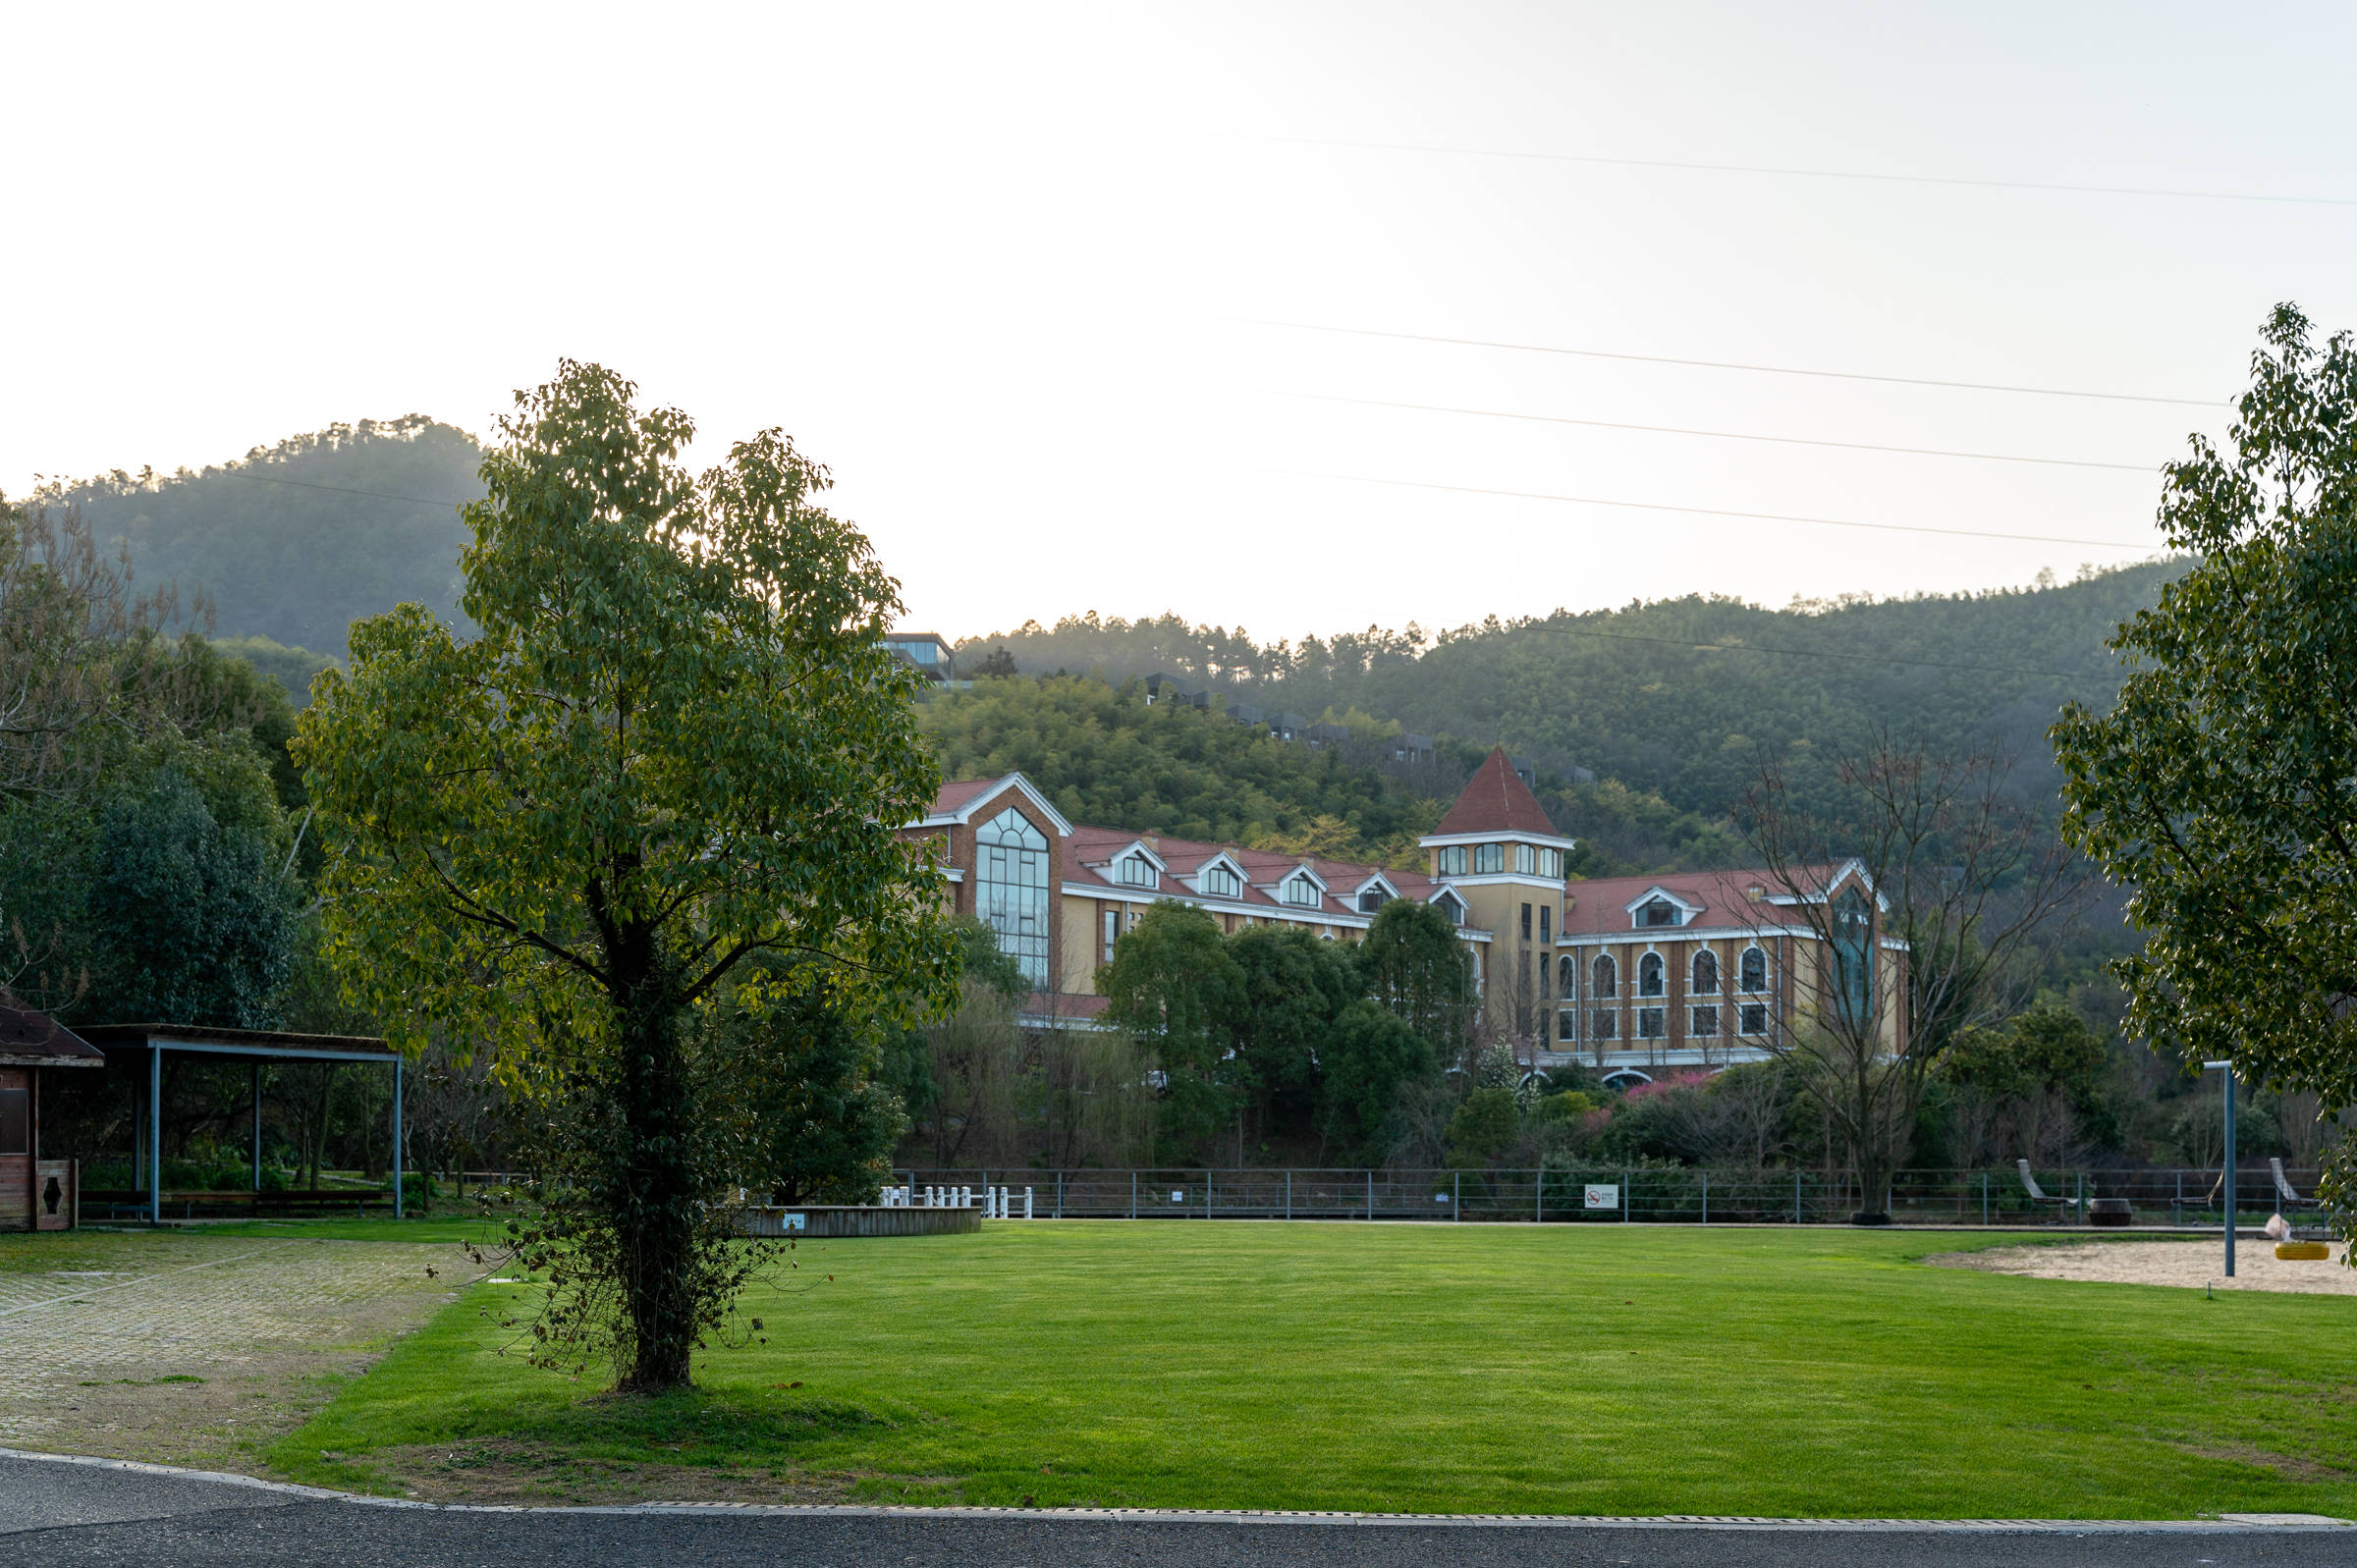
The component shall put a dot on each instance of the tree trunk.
(655, 1201)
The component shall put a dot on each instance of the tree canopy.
(675, 747)
(2218, 788)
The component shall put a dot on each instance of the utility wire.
(1721, 365)
(341, 490)
(1818, 652)
(1812, 174)
(1702, 512)
(1719, 435)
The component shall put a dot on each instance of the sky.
(1129, 309)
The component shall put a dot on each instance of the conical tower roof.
(1496, 800)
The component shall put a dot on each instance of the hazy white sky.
(1002, 269)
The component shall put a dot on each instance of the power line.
(1703, 512)
(1811, 174)
(341, 490)
(1721, 364)
(1818, 652)
(1719, 435)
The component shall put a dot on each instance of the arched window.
(1011, 891)
(1752, 974)
(1706, 973)
(1648, 975)
(1606, 975)
(1566, 976)
(1853, 962)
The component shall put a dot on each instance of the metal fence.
(1614, 1195)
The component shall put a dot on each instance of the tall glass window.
(1452, 860)
(1754, 973)
(1011, 890)
(1648, 975)
(1608, 975)
(1853, 960)
(1706, 974)
(1488, 859)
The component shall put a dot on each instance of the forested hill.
(291, 543)
(1679, 698)
(1106, 756)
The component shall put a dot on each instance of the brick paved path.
(169, 1347)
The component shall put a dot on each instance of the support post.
(2229, 1182)
(257, 1127)
(1624, 1195)
(1984, 1197)
(1133, 1195)
(1207, 1195)
(1706, 1197)
(1538, 1198)
(1289, 1194)
(1796, 1196)
(156, 1134)
(1060, 1194)
(1370, 1195)
(1457, 1197)
(396, 1195)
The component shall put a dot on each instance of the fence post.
(1133, 1195)
(1538, 1198)
(1706, 1197)
(1457, 1197)
(1370, 1195)
(2082, 1204)
(1796, 1196)
(1058, 1195)
(1984, 1197)
(1289, 1194)
(1207, 1195)
(1624, 1197)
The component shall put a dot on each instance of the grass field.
(1567, 1369)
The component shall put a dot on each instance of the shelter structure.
(144, 1046)
(35, 1194)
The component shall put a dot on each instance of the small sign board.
(1603, 1197)
(793, 1221)
(1177, 1197)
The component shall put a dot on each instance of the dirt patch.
(198, 1350)
(501, 1471)
(2191, 1264)
(2289, 1467)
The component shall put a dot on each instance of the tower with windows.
(1504, 861)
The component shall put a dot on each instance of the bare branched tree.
(1930, 896)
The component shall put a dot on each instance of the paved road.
(54, 1513)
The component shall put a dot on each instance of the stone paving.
(169, 1347)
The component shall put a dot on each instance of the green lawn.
(1573, 1369)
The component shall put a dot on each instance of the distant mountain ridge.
(294, 542)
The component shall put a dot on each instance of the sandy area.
(2192, 1264)
(192, 1349)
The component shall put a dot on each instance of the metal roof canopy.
(254, 1044)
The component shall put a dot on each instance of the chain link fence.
(1645, 1193)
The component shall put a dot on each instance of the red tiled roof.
(1089, 853)
(955, 794)
(1497, 800)
(1723, 898)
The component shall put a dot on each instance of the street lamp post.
(2227, 1068)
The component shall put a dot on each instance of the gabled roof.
(1714, 900)
(31, 1038)
(959, 800)
(1495, 801)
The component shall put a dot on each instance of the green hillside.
(292, 542)
(1105, 755)
(1630, 695)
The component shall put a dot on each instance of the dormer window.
(1300, 889)
(1659, 912)
(1222, 881)
(1370, 901)
(1454, 908)
(1134, 871)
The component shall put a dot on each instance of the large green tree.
(1174, 986)
(675, 747)
(2218, 788)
